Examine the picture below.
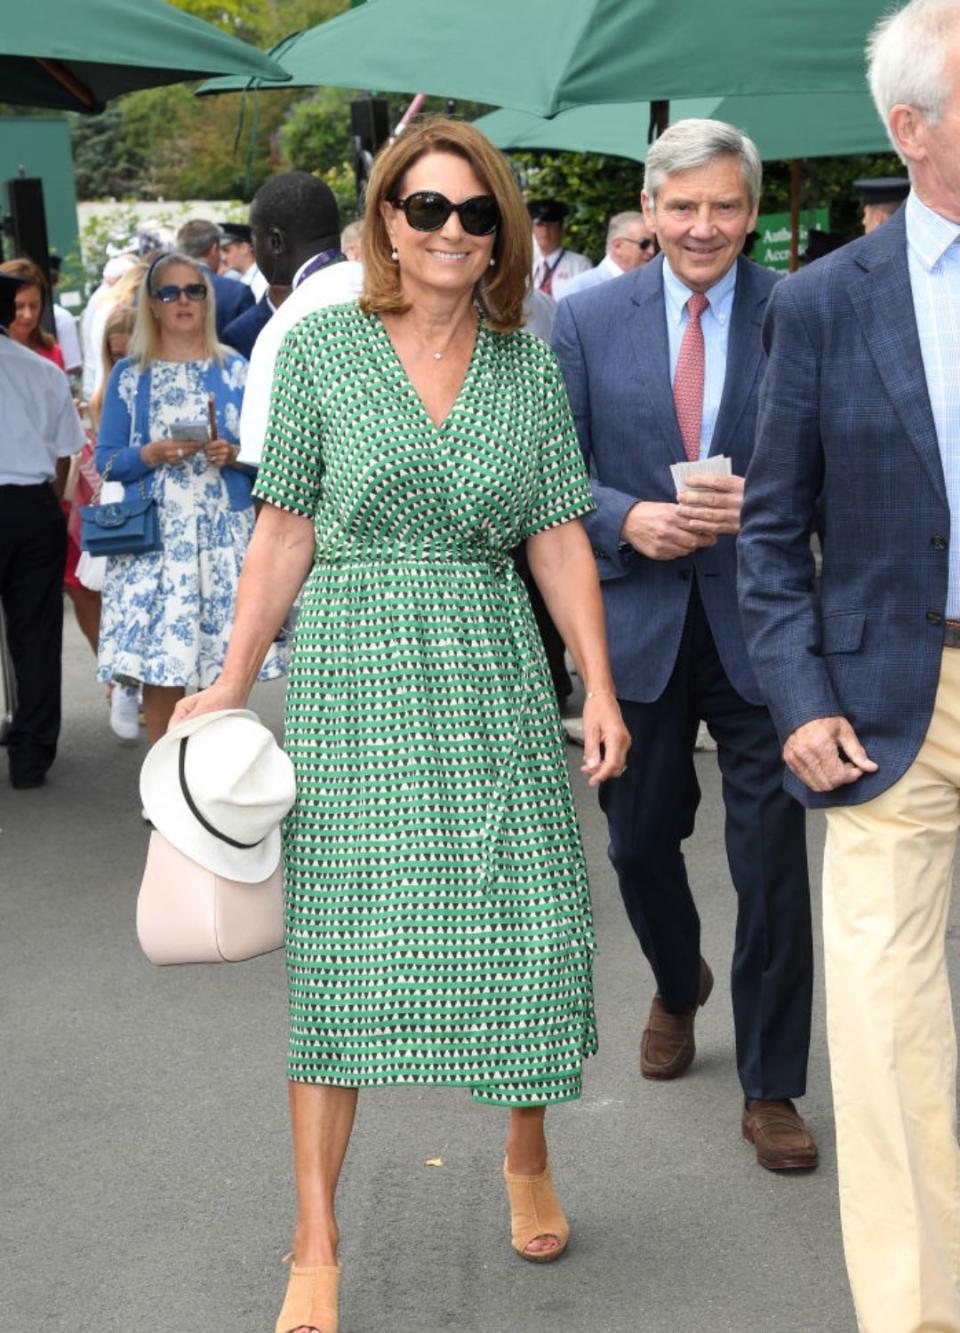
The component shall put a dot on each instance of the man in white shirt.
(630, 245)
(66, 325)
(296, 236)
(41, 430)
(93, 319)
(554, 265)
(236, 250)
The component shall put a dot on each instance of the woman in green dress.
(438, 913)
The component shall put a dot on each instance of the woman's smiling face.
(450, 259)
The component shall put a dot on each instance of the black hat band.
(191, 806)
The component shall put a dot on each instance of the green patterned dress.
(438, 913)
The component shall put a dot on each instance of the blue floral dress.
(167, 616)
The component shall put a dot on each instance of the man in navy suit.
(662, 366)
(201, 241)
(859, 436)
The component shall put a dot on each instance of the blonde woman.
(167, 614)
(438, 911)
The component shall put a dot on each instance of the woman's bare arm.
(562, 563)
(278, 560)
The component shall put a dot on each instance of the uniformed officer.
(882, 196)
(554, 266)
(41, 430)
(236, 248)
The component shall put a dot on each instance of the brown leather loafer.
(777, 1131)
(667, 1046)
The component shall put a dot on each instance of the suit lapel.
(883, 301)
(651, 346)
(743, 356)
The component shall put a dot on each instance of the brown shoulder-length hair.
(33, 277)
(502, 292)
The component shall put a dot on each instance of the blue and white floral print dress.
(167, 616)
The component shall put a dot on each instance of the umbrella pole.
(410, 112)
(66, 80)
(659, 119)
(794, 213)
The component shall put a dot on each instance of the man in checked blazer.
(641, 401)
(859, 435)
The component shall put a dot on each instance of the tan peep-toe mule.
(311, 1300)
(535, 1211)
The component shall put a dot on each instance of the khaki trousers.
(888, 870)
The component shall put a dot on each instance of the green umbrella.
(77, 54)
(788, 126)
(543, 57)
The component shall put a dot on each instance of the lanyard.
(320, 261)
(546, 280)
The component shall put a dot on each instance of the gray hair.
(906, 59)
(693, 143)
(196, 237)
(618, 224)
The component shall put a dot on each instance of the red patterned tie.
(688, 379)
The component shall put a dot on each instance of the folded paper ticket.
(719, 465)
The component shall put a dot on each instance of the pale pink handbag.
(186, 914)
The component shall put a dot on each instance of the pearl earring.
(492, 263)
(394, 256)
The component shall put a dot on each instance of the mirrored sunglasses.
(194, 291)
(428, 211)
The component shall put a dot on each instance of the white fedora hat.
(217, 788)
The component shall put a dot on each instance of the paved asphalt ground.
(145, 1168)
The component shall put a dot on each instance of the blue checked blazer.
(613, 348)
(846, 441)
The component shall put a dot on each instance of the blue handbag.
(124, 527)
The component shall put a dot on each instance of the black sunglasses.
(428, 211)
(194, 291)
(645, 244)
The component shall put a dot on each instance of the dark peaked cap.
(546, 210)
(9, 285)
(882, 189)
(236, 231)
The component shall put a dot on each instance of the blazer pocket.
(842, 633)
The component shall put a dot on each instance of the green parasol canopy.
(542, 57)
(797, 125)
(77, 54)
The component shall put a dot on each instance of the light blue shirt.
(715, 323)
(933, 258)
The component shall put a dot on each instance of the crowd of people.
(445, 403)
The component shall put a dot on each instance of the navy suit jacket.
(232, 298)
(614, 352)
(846, 438)
(242, 333)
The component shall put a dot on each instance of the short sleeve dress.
(438, 912)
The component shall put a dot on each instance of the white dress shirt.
(334, 285)
(566, 264)
(67, 338)
(255, 280)
(40, 422)
(933, 260)
(592, 277)
(539, 312)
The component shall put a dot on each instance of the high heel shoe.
(535, 1211)
(311, 1300)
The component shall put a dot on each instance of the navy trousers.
(652, 809)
